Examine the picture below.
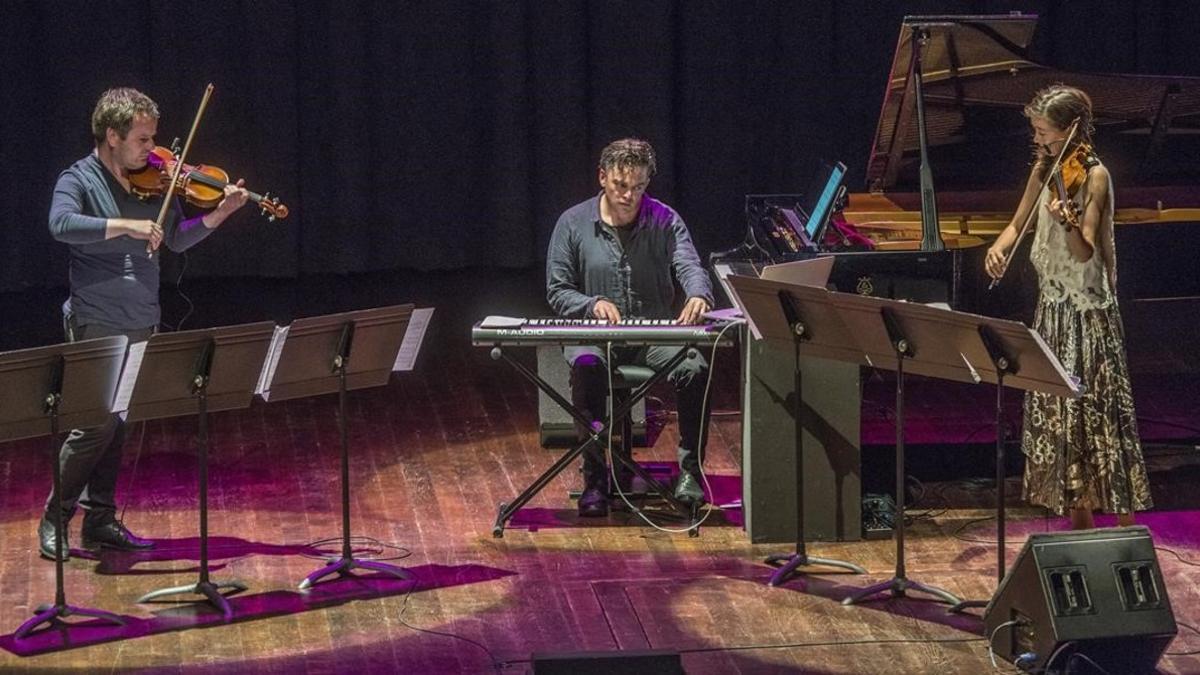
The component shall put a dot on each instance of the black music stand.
(201, 371)
(918, 337)
(1021, 359)
(42, 389)
(315, 358)
(596, 437)
(801, 315)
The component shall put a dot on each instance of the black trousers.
(90, 459)
(589, 393)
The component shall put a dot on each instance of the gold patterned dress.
(1082, 453)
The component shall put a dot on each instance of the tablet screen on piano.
(819, 198)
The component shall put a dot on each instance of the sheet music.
(497, 321)
(413, 337)
(725, 314)
(133, 364)
(1077, 386)
(268, 372)
(810, 272)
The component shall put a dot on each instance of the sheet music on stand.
(268, 371)
(812, 272)
(291, 367)
(414, 337)
(129, 373)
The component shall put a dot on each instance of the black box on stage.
(1097, 593)
(556, 427)
(644, 662)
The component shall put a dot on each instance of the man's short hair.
(628, 153)
(117, 109)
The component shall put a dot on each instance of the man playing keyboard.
(615, 257)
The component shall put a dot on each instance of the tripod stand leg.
(967, 604)
(899, 587)
(211, 591)
(342, 567)
(789, 564)
(51, 614)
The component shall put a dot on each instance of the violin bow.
(1033, 208)
(170, 194)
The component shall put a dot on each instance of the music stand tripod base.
(899, 587)
(343, 566)
(208, 589)
(53, 614)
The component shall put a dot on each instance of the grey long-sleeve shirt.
(586, 262)
(113, 281)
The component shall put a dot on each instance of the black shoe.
(46, 540)
(113, 534)
(593, 503)
(688, 490)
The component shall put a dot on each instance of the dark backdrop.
(442, 135)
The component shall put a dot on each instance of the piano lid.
(978, 76)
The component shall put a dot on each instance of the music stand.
(801, 315)
(42, 389)
(315, 358)
(922, 341)
(1011, 354)
(201, 371)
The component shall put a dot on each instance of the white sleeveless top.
(1063, 278)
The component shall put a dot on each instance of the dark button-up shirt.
(113, 281)
(586, 262)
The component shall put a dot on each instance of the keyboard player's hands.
(693, 309)
(605, 310)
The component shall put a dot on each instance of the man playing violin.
(618, 256)
(112, 235)
(1081, 455)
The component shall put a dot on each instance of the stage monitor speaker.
(1092, 595)
(555, 426)
(657, 661)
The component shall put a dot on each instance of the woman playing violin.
(1081, 455)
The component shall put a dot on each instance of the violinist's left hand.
(236, 197)
(1066, 213)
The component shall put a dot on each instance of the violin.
(201, 185)
(1069, 176)
(1068, 172)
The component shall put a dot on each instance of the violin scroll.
(272, 208)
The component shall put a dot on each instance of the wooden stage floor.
(433, 454)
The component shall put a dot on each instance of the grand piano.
(952, 112)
